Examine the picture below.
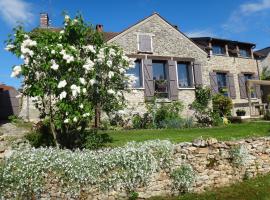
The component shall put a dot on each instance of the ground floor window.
(252, 89)
(160, 78)
(222, 83)
(184, 73)
(137, 73)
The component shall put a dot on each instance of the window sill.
(244, 57)
(220, 55)
(186, 88)
(164, 100)
(136, 88)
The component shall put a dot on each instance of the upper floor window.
(145, 43)
(222, 83)
(244, 53)
(137, 73)
(184, 72)
(218, 49)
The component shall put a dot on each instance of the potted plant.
(161, 85)
(240, 112)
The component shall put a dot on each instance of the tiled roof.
(109, 35)
(263, 52)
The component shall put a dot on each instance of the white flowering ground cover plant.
(27, 171)
(239, 155)
(70, 73)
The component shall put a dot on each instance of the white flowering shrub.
(70, 73)
(239, 155)
(183, 178)
(27, 172)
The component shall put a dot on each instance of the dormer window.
(218, 50)
(145, 43)
(244, 53)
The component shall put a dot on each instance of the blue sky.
(243, 20)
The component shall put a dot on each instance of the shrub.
(41, 136)
(165, 111)
(239, 155)
(200, 105)
(222, 105)
(183, 178)
(93, 140)
(240, 112)
(25, 174)
(267, 115)
(177, 123)
(144, 121)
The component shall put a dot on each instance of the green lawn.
(230, 132)
(254, 189)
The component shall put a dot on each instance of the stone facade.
(234, 65)
(211, 160)
(167, 41)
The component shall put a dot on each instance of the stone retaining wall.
(212, 162)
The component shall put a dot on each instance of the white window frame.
(192, 71)
(142, 76)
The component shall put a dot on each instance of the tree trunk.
(54, 134)
(97, 116)
(52, 125)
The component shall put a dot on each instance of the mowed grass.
(254, 189)
(230, 132)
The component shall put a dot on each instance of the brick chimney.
(44, 20)
(99, 27)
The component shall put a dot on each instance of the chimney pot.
(99, 27)
(44, 20)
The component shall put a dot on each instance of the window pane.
(244, 53)
(222, 83)
(159, 72)
(218, 49)
(136, 71)
(183, 75)
(252, 90)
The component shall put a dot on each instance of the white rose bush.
(70, 73)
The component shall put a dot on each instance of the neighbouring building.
(171, 65)
(9, 101)
(263, 56)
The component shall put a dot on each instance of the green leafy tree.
(222, 105)
(70, 74)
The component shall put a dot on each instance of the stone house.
(170, 65)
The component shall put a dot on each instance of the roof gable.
(147, 19)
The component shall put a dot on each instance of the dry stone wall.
(214, 163)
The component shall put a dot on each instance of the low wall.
(212, 162)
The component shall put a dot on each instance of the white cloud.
(242, 16)
(200, 33)
(13, 11)
(249, 8)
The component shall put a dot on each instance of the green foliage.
(14, 119)
(265, 75)
(94, 140)
(267, 115)
(41, 136)
(177, 123)
(222, 105)
(143, 122)
(25, 174)
(201, 106)
(133, 196)
(183, 178)
(239, 155)
(164, 112)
